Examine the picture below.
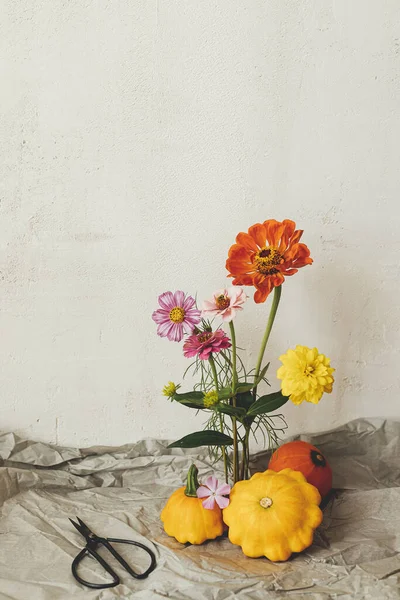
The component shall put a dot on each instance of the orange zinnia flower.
(263, 256)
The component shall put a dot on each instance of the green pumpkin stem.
(192, 482)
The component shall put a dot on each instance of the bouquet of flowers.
(226, 390)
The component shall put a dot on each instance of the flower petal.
(187, 327)
(274, 230)
(205, 353)
(228, 315)
(238, 253)
(245, 241)
(176, 332)
(160, 316)
(262, 294)
(193, 315)
(209, 306)
(166, 301)
(287, 234)
(189, 303)
(179, 298)
(223, 490)
(221, 501)
(234, 294)
(259, 234)
(163, 330)
(189, 352)
(212, 483)
(209, 503)
(221, 292)
(203, 492)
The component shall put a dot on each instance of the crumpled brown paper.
(119, 492)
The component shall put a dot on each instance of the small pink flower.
(205, 343)
(225, 303)
(178, 315)
(214, 493)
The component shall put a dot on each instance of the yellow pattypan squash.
(273, 514)
(186, 519)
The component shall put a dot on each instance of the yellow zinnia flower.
(305, 375)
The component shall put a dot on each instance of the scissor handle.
(95, 586)
(122, 561)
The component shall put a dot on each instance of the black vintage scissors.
(92, 543)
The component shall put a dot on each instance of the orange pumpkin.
(306, 458)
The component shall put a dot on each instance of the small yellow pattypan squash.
(273, 514)
(185, 518)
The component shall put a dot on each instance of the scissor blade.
(84, 528)
(78, 527)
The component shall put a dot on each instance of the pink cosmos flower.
(178, 315)
(205, 343)
(214, 493)
(225, 303)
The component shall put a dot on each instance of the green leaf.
(192, 404)
(188, 396)
(234, 411)
(244, 387)
(203, 438)
(191, 399)
(267, 404)
(244, 400)
(262, 373)
(225, 393)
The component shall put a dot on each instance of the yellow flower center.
(309, 371)
(204, 336)
(170, 389)
(222, 302)
(210, 398)
(267, 259)
(266, 502)
(177, 314)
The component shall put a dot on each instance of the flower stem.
(214, 371)
(221, 424)
(246, 443)
(244, 469)
(234, 423)
(224, 356)
(233, 339)
(271, 318)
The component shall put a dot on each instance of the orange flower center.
(222, 302)
(204, 336)
(266, 260)
(177, 314)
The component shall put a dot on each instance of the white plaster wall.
(137, 138)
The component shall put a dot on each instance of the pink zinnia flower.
(225, 303)
(205, 343)
(178, 315)
(214, 493)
